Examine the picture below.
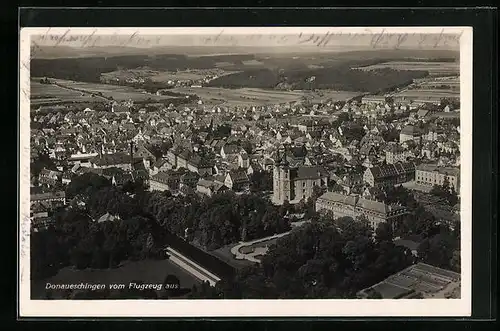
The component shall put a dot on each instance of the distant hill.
(51, 52)
(331, 70)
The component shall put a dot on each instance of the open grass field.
(181, 75)
(252, 63)
(321, 96)
(424, 95)
(148, 271)
(163, 76)
(436, 84)
(243, 96)
(256, 96)
(154, 75)
(434, 68)
(119, 93)
(431, 89)
(42, 94)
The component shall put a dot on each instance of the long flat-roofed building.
(420, 280)
(354, 206)
(59, 196)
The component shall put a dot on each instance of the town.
(352, 198)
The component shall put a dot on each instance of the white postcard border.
(248, 308)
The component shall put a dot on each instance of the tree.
(384, 232)
(343, 117)
(40, 162)
(354, 133)
(86, 185)
(351, 229)
(425, 223)
(455, 262)
(317, 192)
(391, 135)
(322, 260)
(437, 250)
(445, 191)
(261, 181)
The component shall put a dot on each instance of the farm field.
(434, 68)
(430, 89)
(426, 95)
(243, 96)
(256, 96)
(162, 76)
(42, 94)
(252, 63)
(439, 84)
(324, 95)
(148, 271)
(119, 93)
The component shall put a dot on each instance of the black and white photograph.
(263, 171)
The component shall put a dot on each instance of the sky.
(256, 37)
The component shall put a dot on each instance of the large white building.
(431, 174)
(354, 206)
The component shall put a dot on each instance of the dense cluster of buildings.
(349, 149)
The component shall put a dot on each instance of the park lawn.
(224, 254)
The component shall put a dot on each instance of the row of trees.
(328, 258)
(439, 241)
(216, 221)
(324, 259)
(340, 77)
(89, 69)
(446, 191)
(76, 237)
(334, 258)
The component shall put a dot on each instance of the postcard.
(245, 172)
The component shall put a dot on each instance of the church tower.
(281, 179)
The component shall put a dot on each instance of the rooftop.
(111, 159)
(48, 195)
(411, 130)
(421, 278)
(389, 170)
(309, 172)
(356, 201)
(435, 168)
